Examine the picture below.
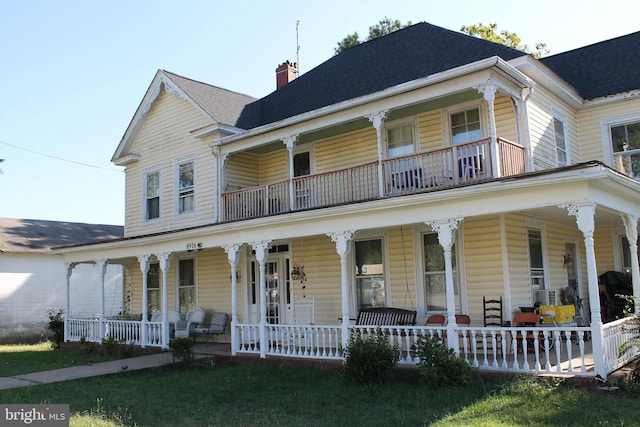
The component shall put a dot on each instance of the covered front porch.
(482, 227)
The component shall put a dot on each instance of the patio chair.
(217, 326)
(522, 320)
(193, 319)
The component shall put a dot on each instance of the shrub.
(56, 327)
(182, 349)
(86, 346)
(369, 359)
(110, 346)
(439, 365)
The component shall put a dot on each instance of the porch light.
(567, 259)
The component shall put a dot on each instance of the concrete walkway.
(86, 371)
(150, 361)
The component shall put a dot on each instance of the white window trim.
(537, 225)
(176, 186)
(176, 282)
(561, 117)
(413, 121)
(311, 148)
(418, 231)
(448, 111)
(146, 173)
(605, 128)
(369, 235)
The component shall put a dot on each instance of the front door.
(277, 291)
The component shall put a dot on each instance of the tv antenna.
(297, 50)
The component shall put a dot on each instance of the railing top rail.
(329, 172)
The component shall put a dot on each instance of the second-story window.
(186, 187)
(465, 126)
(625, 141)
(400, 140)
(562, 152)
(152, 195)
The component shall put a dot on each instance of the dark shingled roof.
(32, 235)
(602, 69)
(414, 52)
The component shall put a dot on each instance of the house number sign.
(194, 245)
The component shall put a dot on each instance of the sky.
(74, 72)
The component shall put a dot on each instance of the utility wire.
(59, 158)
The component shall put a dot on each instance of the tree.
(507, 38)
(384, 27)
(1, 160)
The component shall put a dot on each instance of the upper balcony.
(417, 173)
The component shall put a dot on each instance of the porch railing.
(615, 335)
(628, 162)
(556, 350)
(423, 172)
(122, 331)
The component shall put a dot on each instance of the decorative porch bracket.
(262, 251)
(164, 267)
(488, 89)
(70, 266)
(144, 268)
(233, 255)
(377, 119)
(585, 213)
(343, 246)
(446, 229)
(290, 143)
(631, 226)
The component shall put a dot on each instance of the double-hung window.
(186, 284)
(400, 139)
(152, 195)
(625, 141)
(435, 293)
(153, 288)
(370, 276)
(560, 135)
(186, 186)
(465, 126)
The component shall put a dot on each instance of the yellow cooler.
(562, 314)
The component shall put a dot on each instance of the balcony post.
(446, 237)
(262, 251)
(377, 119)
(585, 214)
(233, 252)
(144, 268)
(488, 90)
(290, 143)
(343, 246)
(631, 226)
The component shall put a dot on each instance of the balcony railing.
(628, 162)
(433, 170)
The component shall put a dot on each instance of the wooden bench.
(386, 316)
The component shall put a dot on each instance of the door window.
(186, 285)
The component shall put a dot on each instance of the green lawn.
(16, 359)
(265, 395)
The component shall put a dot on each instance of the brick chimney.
(285, 73)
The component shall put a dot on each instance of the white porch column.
(67, 305)
(144, 268)
(215, 152)
(343, 246)
(446, 237)
(102, 266)
(377, 119)
(631, 225)
(584, 214)
(290, 143)
(488, 90)
(262, 251)
(164, 267)
(233, 254)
